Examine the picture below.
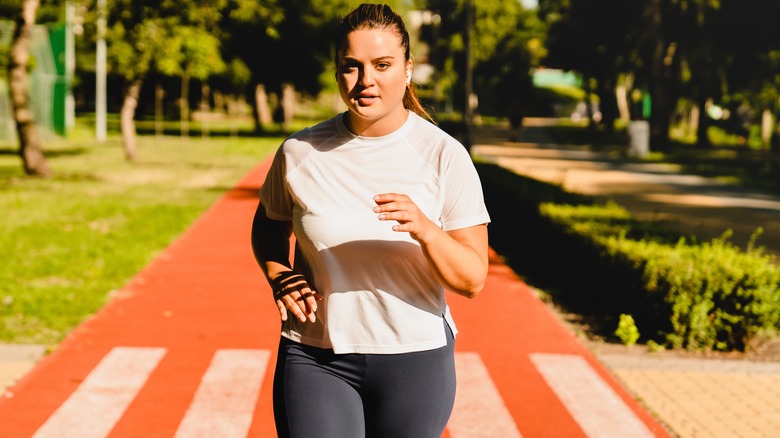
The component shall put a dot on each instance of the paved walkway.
(694, 397)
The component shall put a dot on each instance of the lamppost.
(100, 74)
(71, 21)
(468, 111)
(436, 61)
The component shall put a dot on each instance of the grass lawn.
(68, 241)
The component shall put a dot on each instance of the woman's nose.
(366, 77)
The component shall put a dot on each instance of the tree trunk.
(205, 108)
(288, 104)
(30, 148)
(660, 71)
(694, 119)
(608, 103)
(232, 105)
(703, 125)
(767, 125)
(126, 119)
(159, 102)
(621, 96)
(185, 106)
(261, 104)
(589, 103)
(774, 140)
(256, 114)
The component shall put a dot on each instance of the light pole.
(468, 111)
(70, 65)
(100, 74)
(437, 64)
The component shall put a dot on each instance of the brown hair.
(380, 16)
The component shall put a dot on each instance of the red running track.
(187, 349)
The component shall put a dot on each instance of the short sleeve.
(464, 202)
(274, 193)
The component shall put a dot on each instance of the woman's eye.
(382, 66)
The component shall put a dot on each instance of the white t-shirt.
(380, 294)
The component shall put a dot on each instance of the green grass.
(68, 241)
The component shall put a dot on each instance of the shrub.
(711, 295)
(626, 330)
(595, 259)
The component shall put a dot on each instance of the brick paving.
(705, 397)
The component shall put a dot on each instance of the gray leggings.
(321, 394)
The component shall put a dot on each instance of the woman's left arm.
(458, 257)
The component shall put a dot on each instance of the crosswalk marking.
(225, 401)
(101, 399)
(598, 410)
(479, 410)
(226, 398)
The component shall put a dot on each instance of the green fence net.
(48, 84)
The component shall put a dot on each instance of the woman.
(387, 211)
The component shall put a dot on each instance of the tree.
(704, 60)
(291, 43)
(192, 53)
(680, 51)
(30, 147)
(498, 27)
(641, 39)
(595, 40)
(133, 42)
(137, 34)
(503, 81)
(753, 73)
(173, 37)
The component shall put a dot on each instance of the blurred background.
(697, 71)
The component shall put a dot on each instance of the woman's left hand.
(400, 208)
(458, 257)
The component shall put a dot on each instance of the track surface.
(187, 349)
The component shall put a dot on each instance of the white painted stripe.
(598, 410)
(102, 398)
(225, 401)
(479, 410)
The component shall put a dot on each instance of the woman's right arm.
(271, 247)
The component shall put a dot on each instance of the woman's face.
(372, 79)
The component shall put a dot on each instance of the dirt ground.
(763, 351)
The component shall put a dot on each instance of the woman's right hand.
(293, 293)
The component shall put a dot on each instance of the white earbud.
(408, 77)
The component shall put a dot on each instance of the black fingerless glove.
(287, 281)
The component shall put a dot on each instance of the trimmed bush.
(710, 295)
(596, 259)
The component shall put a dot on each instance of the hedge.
(596, 259)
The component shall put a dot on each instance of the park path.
(659, 192)
(187, 347)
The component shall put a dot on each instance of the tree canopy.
(696, 51)
(683, 55)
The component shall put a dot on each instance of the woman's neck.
(375, 128)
